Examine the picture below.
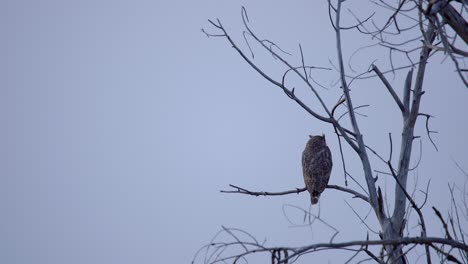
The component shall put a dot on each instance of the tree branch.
(400, 241)
(296, 191)
(373, 200)
(249, 245)
(407, 92)
(390, 89)
(289, 93)
(456, 21)
(416, 208)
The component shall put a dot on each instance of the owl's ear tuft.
(310, 136)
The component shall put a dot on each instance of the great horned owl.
(316, 166)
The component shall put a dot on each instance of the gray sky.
(122, 121)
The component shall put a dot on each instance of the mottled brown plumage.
(316, 166)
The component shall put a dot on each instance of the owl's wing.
(327, 161)
(321, 168)
(322, 162)
(307, 170)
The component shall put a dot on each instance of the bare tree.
(430, 27)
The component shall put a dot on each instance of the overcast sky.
(121, 121)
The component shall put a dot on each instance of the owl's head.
(317, 139)
(316, 142)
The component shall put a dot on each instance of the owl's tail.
(314, 199)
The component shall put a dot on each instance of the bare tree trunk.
(394, 227)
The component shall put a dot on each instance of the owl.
(316, 166)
